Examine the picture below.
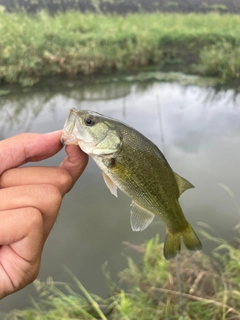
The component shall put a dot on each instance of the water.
(197, 130)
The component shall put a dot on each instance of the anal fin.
(140, 217)
(110, 184)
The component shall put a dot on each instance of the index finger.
(28, 147)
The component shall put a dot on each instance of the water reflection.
(199, 133)
(20, 111)
(100, 91)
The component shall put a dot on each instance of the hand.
(30, 198)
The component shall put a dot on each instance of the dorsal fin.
(182, 183)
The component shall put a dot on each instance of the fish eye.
(89, 121)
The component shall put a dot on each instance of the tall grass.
(34, 46)
(210, 285)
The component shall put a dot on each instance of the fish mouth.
(67, 139)
(69, 131)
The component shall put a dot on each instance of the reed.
(34, 46)
(210, 288)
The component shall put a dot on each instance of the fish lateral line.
(134, 164)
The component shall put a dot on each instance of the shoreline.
(35, 46)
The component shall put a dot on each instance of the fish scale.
(134, 164)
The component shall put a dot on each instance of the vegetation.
(210, 289)
(72, 43)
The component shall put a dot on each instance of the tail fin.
(190, 239)
(172, 244)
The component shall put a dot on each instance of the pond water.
(197, 129)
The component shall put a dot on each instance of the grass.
(210, 286)
(72, 43)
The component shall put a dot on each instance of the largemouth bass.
(131, 162)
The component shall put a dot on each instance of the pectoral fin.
(140, 218)
(182, 183)
(110, 184)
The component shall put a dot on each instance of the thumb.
(75, 162)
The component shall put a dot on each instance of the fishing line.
(124, 113)
(176, 259)
(160, 121)
(179, 288)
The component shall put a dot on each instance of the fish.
(131, 162)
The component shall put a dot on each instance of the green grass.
(35, 46)
(210, 286)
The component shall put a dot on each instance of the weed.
(71, 43)
(210, 289)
